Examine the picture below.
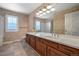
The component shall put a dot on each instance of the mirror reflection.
(59, 18)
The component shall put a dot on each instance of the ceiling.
(25, 8)
(59, 7)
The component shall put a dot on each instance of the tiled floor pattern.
(17, 48)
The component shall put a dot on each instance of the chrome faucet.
(54, 34)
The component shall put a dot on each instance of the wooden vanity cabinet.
(54, 52)
(27, 38)
(52, 49)
(51, 44)
(46, 47)
(68, 50)
(40, 47)
(33, 41)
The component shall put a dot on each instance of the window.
(11, 23)
(37, 26)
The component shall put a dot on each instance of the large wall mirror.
(72, 23)
(63, 19)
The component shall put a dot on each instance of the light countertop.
(72, 41)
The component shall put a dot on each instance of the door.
(1, 30)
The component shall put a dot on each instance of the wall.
(59, 19)
(31, 22)
(23, 26)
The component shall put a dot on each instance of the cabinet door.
(51, 43)
(68, 50)
(32, 42)
(27, 38)
(40, 47)
(53, 52)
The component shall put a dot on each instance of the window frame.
(6, 25)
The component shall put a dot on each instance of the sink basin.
(49, 36)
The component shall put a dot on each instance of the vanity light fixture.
(49, 6)
(44, 9)
(48, 11)
(37, 13)
(40, 11)
(40, 15)
(52, 9)
(44, 13)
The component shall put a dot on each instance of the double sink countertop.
(69, 40)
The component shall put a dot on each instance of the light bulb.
(48, 7)
(37, 13)
(48, 11)
(40, 12)
(52, 9)
(44, 13)
(43, 9)
(41, 15)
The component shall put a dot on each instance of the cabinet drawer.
(52, 44)
(53, 52)
(68, 50)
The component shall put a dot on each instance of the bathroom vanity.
(47, 45)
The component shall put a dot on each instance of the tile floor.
(17, 48)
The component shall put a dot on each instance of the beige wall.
(31, 22)
(23, 26)
(59, 18)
